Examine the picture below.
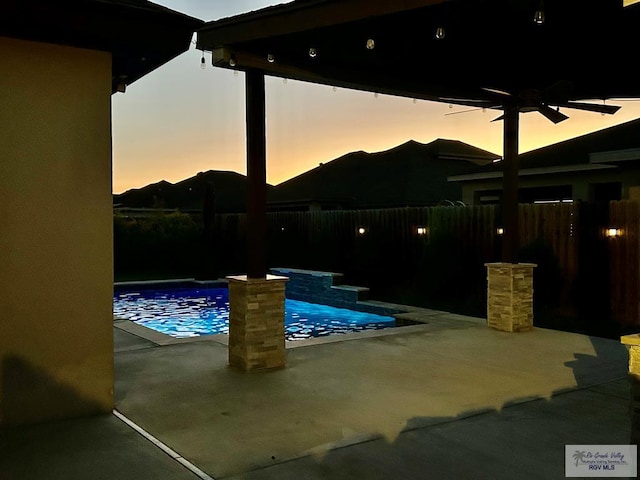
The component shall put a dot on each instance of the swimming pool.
(191, 312)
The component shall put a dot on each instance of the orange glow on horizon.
(180, 120)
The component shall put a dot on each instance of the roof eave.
(141, 36)
(529, 172)
(295, 17)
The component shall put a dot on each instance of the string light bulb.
(271, 58)
(203, 62)
(232, 61)
(440, 33)
(371, 44)
(313, 53)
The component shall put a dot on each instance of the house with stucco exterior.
(61, 62)
(596, 167)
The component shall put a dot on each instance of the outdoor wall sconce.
(362, 230)
(613, 232)
(421, 230)
(538, 17)
(500, 231)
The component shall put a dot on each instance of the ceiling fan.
(530, 99)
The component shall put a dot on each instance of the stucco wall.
(56, 268)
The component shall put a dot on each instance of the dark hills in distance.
(410, 174)
(188, 195)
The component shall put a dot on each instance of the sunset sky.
(180, 119)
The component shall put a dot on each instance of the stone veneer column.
(633, 345)
(510, 296)
(256, 322)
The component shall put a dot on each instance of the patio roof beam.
(388, 85)
(297, 17)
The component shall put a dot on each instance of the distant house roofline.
(530, 171)
(626, 155)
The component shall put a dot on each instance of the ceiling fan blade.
(464, 111)
(553, 115)
(495, 91)
(468, 102)
(592, 107)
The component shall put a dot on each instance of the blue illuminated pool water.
(191, 312)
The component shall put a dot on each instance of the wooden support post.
(510, 184)
(256, 175)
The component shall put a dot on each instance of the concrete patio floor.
(448, 399)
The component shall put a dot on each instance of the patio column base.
(256, 322)
(510, 296)
(632, 343)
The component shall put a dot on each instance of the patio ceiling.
(490, 47)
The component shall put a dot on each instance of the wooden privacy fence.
(387, 238)
(624, 217)
(441, 251)
(549, 236)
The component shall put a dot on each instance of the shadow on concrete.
(524, 439)
(89, 448)
(30, 394)
(51, 432)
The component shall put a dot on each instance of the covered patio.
(510, 56)
(448, 399)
